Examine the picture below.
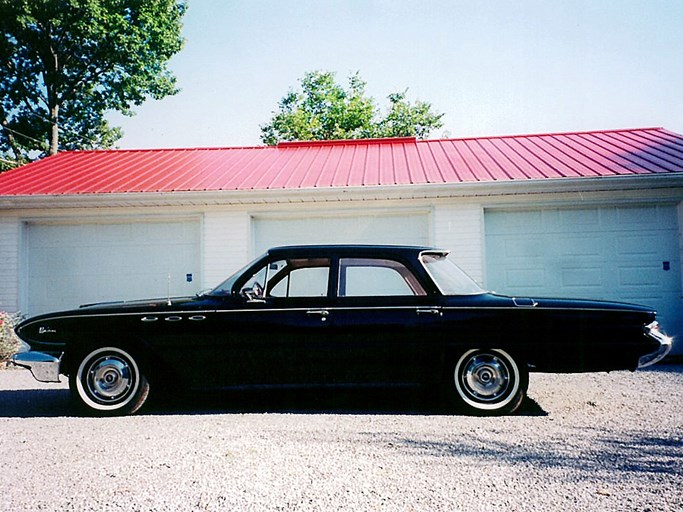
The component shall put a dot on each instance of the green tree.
(324, 110)
(405, 119)
(65, 63)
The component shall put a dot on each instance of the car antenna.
(168, 290)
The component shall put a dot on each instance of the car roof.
(350, 249)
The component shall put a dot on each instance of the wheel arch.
(89, 341)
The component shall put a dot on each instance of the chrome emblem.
(46, 330)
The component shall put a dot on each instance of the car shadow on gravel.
(33, 403)
(318, 401)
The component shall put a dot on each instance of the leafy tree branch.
(322, 109)
(65, 63)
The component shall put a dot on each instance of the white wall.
(226, 244)
(460, 228)
(10, 242)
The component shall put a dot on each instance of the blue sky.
(494, 67)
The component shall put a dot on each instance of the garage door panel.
(584, 220)
(105, 257)
(522, 248)
(638, 219)
(72, 264)
(637, 245)
(582, 278)
(640, 276)
(521, 223)
(614, 253)
(529, 279)
(163, 233)
(112, 235)
(579, 246)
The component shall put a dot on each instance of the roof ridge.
(159, 150)
(345, 142)
(548, 134)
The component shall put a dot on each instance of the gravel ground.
(581, 442)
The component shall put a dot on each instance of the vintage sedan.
(330, 316)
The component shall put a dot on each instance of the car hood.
(564, 303)
(496, 300)
(132, 306)
(555, 303)
(137, 304)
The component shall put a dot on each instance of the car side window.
(370, 277)
(303, 277)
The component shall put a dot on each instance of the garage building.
(590, 214)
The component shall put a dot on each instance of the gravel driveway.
(582, 442)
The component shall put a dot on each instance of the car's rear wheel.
(108, 381)
(486, 382)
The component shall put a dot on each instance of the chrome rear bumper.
(665, 342)
(44, 367)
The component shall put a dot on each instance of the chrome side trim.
(538, 308)
(665, 343)
(44, 367)
(330, 308)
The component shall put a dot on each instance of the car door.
(384, 324)
(284, 309)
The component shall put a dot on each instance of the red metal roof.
(352, 163)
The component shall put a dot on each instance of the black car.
(336, 316)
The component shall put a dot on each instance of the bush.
(9, 343)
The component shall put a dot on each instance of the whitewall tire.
(487, 382)
(108, 381)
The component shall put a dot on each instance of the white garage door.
(405, 229)
(72, 264)
(618, 253)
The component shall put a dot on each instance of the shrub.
(9, 343)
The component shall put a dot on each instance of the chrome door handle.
(197, 318)
(430, 311)
(149, 319)
(173, 318)
(322, 312)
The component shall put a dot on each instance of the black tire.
(486, 382)
(107, 382)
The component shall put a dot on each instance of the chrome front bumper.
(44, 367)
(665, 342)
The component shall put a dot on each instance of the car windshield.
(450, 279)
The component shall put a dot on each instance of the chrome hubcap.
(486, 377)
(109, 378)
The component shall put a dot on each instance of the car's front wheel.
(486, 382)
(108, 381)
